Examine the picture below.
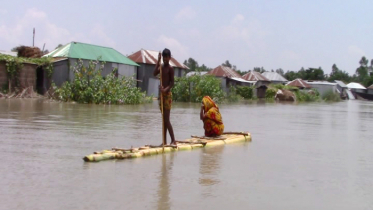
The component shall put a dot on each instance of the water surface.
(303, 156)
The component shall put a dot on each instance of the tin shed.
(67, 56)
(147, 59)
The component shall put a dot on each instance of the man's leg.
(168, 125)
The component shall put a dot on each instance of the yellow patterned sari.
(212, 120)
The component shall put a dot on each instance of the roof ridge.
(90, 44)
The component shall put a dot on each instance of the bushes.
(271, 92)
(303, 96)
(194, 88)
(89, 86)
(245, 91)
(330, 96)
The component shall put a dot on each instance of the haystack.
(29, 52)
(285, 95)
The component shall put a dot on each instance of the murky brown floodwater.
(306, 156)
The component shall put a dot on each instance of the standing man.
(165, 91)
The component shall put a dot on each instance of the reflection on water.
(164, 182)
(210, 165)
(303, 156)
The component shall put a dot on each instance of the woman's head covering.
(208, 103)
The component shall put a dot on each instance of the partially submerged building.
(323, 87)
(360, 91)
(229, 77)
(299, 83)
(256, 77)
(66, 57)
(275, 78)
(147, 59)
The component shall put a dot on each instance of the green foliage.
(194, 88)
(306, 96)
(338, 74)
(89, 86)
(193, 65)
(271, 92)
(15, 64)
(331, 96)
(245, 91)
(232, 95)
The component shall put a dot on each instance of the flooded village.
(58, 68)
(271, 105)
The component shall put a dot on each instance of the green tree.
(58, 46)
(280, 71)
(259, 69)
(227, 64)
(192, 64)
(362, 70)
(338, 74)
(291, 75)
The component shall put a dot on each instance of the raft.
(194, 142)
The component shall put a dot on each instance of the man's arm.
(156, 69)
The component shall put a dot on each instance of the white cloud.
(355, 50)
(250, 32)
(178, 50)
(98, 32)
(238, 18)
(3, 11)
(186, 13)
(20, 32)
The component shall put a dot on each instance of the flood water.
(302, 156)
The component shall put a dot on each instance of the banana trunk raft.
(193, 143)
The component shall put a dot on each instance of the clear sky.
(258, 33)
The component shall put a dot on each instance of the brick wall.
(3, 76)
(27, 75)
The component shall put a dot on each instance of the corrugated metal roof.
(354, 85)
(273, 76)
(8, 53)
(196, 73)
(310, 82)
(340, 83)
(151, 57)
(90, 52)
(254, 76)
(224, 71)
(299, 83)
(242, 80)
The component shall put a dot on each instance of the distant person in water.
(211, 117)
(165, 91)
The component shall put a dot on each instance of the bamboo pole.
(161, 94)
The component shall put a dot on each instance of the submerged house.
(67, 56)
(301, 84)
(275, 77)
(257, 78)
(229, 77)
(261, 82)
(360, 91)
(323, 87)
(147, 59)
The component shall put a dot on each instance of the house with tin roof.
(257, 78)
(301, 84)
(274, 77)
(67, 56)
(229, 77)
(147, 60)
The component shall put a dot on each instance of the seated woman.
(211, 117)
